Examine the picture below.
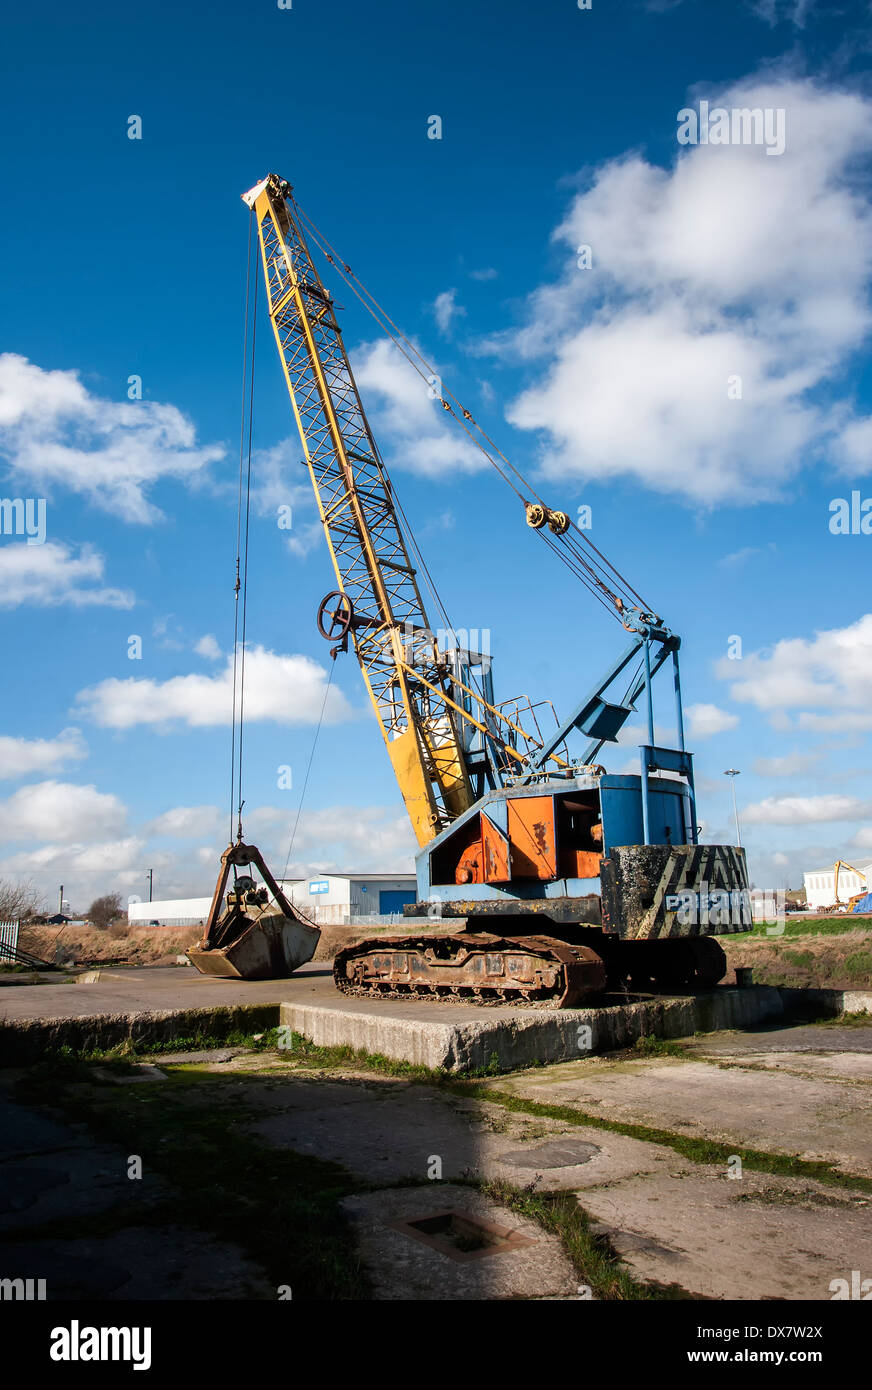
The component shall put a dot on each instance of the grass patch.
(708, 1151)
(808, 926)
(803, 958)
(859, 965)
(593, 1258)
(649, 1045)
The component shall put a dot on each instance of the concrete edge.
(527, 1037)
(832, 1001)
(23, 1041)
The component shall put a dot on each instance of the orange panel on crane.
(532, 838)
(495, 848)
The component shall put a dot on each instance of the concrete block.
(510, 1038)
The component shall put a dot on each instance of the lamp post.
(733, 773)
(150, 882)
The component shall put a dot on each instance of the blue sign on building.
(319, 886)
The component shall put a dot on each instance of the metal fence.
(8, 938)
(167, 922)
(335, 917)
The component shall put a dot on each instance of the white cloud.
(51, 574)
(486, 273)
(411, 423)
(446, 310)
(364, 839)
(287, 689)
(87, 870)
(728, 264)
(188, 822)
(747, 552)
(774, 12)
(705, 720)
(208, 647)
(59, 811)
(21, 756)
(804, 810)
(53, 431)
(788, 765)
(832, 671)
(853, 448)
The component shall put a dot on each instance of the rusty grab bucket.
(252, 938)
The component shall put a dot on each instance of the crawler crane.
(571, 880)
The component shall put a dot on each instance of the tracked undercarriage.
(479, 966)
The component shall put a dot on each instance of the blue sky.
(609, 384)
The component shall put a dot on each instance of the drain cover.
(556, 1153)
(462, 1236)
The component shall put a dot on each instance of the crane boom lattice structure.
(389, 625)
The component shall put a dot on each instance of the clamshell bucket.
(252, 938)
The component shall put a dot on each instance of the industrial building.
(340, 898)
(173, 912)
(333, 898)
(820, 884)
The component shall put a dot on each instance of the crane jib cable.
(242, 538)
(308, 769)
(572, 541)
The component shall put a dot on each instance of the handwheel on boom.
(335, 617)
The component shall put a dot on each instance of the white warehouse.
(172, 912)
(820, 884)
(329, 898)
(340, 898)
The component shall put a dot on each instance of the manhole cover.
(462, 1236)
(556, 1153)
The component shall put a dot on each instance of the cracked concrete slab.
(388, 1131)
(815, 1118)
(403, 1268)
(758, 1237)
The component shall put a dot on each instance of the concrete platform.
(163, 1003)
(153, 1003)
(461, 1037)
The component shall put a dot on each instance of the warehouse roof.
(336, 873)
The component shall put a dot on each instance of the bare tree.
(18, 898)
(105, 910)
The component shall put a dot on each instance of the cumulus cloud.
(831, 671)
(54, 431)
(728, 265)
(188, 822)
(446, 310)
(787, 765)
(410, 422)
(59, 811)
(53, 574)
(21, 756)
(341, 839)
(286, 689)
(208, 647)
(705, 720)
(805, 810)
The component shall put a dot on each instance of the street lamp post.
(733, 773)
(150, 882)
